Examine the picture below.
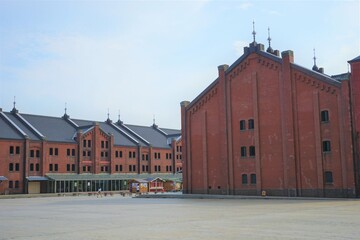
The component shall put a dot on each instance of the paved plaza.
(116, 217)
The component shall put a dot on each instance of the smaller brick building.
(267, 125)
(52, 154)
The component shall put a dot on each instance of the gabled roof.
(259, 49)
(171, 131)
(357, 59)
(154, 137)
(14, 125)
(9, 131)
(317, 75)
(53, 128)
(22, 126)
(341, 77)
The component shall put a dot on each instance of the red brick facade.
(88, 150)
(267, 125)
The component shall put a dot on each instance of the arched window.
(253, 178)
(324, 116)
(252, 151)
(244, 179)
(251, 123)
(242, 125)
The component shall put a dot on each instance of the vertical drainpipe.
(186, 172)
(25, 164)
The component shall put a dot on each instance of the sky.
(140, 59)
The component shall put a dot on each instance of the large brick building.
(269, 126)
(60, 154)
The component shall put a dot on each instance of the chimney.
(321, 70)
(288, 56)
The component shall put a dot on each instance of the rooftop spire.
(65, 114)
(154, 119)
(14, 110)
(253, 32)
(315, 68)
(108, 114)
(269, 49)
(119, 120)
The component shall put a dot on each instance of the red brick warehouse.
(268, 125)
(41, 154)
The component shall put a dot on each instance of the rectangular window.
(16, 184)
(166, 156)
(17, 167)
(11, 167)
(102, 154)
(155, 155)
(134, 155)
(116, 154)
(120, 168)
(243, 151)
(68, 167)
(177, 148)
(329, 177)
(37, 153)
(143, 168)
(51, 151)
(252, 151)
(56, 151)
(147, 157)
(147, 168)
(116, 168)
(170, 168)
(11, 150)
(89, 168)
(134, 168)
(50, 167)
(73, 152)
(106, 144)
(325, 116)
(17, 150)
(84, 143)
(89, 153)
(180, 148)
(102, 144)
(143, 157)
(253, 178)
(56, 168)
(242, 125)
(84, 153)
(244, 179)
(159, 156)
(326, 146)
(84, 168)
(130, 168)
(73, 167)
(170, 155)
(32, 153)
(89, 143)
(11, 184)
(37, 167)
(155, 168)
(159, 168)
(31, 167)
(68, 152)
(251, 123)
(167, 168)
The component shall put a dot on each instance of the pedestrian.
(99, 193)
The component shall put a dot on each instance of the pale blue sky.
(145, 57)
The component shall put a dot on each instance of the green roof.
(83, 177)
